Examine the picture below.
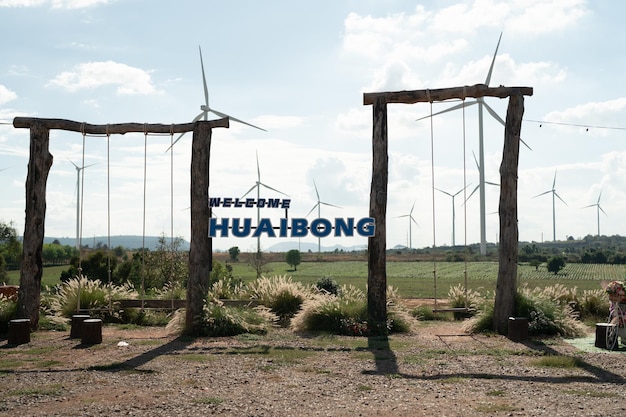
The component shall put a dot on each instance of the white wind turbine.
(599, 209)
(78, 171)
(453, 209)
(554, 194)
(319, 213)
(481, 150)
(206, 109)
(411, 220)
(258, 186)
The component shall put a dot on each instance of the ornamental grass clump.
(346, 314)
(280, 294)
(94, 295)
(8, 308)
(227, 288)
(461, 298)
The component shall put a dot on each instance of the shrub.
(94, 295)
(171, 291)
(328, 284)
(461, 298)
(219, 320)
(593, 305)
(280, 294)
(226, 288)
(8, 309)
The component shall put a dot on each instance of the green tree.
(555, 264)
(234, 253)
(293, 258)
(10, 247)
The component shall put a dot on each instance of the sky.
(299, 71)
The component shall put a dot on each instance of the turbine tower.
(598, 209)
(206, 109)
(78, 218)
(411, 220)
(554, 194)
(481, 150)
(453, 209)
(258, 185)
(319, 214)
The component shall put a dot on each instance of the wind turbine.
(478, 186)
(481, 150)
(258, 185)
(78, 170)
(411, 220)
(599, 209)
(554, 194)
(319, 215)
(206, 109)
(453, 209)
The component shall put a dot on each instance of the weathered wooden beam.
(39, 164)
(116, 128)
(377, 244)
(441, 94)
(200, 249)
(506, 285)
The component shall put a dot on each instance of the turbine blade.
(273, 189)
(476, 160)
(195, 119)
(445, 192)
(412, 207)
(220, 114)
(538, 195)
(525, 144)
(75, 166)
(206, 89)
(316, 192)
(314, 207)
(493, 113)
(471, 194)
(493, 61)
(599, 196)
(248, 192)
(328, 204)
(416, 223)
(492, 183)
(554, 181)
(258, 169)
(603, 211)
(559, 197)
(458, 106)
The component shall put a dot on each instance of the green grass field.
(413, 279)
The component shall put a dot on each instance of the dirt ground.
(438, 370)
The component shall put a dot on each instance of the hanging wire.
(465, 199)
(432, 176)
(109, 216)
(80, 221)
(143, 238)
(172, 254)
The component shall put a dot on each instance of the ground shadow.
(384, 358)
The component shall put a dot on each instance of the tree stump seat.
(77, 323)
(91, 331)
(19, 332)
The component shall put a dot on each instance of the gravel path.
(437, 371)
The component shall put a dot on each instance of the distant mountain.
(312, 247)
(128, 242)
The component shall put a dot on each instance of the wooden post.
(377, 244)
(91, 332)
(200, 245)
(39, 165)
(506, 286)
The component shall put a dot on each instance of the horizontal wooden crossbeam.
(117, 128)
(442, 94)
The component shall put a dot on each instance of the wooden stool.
(91, 331)
(77, 323)
(19, 331)
(518, 329)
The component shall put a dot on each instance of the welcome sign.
(295, 227)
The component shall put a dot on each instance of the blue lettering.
(246, 227)
(238, 203)
(214, 201)
(249, 202)
(321, 227)
(214, 227)
(366, 226)
(341, 226)
(227, 202)
(265, 226)
(299, 227)
(273, 202)
(283, 227)
(286, 203)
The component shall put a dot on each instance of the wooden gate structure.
(506, 286)
(39, 164)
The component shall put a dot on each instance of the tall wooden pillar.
(39, 164)
(506, 286)
(200, 246)
(377, 244)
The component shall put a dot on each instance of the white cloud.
(57, 4)
(542, 16)
(279, 122)
(130, 80)
(6, 95)
(602, 113)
